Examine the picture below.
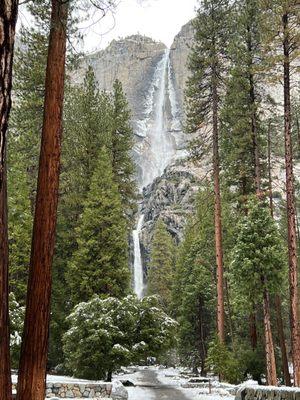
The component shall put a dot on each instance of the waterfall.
(160, 147)
(138, 266)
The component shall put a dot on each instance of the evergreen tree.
(206, 64)
(194, 285)
(161, 268)
(241, 141)
(122, 141)
(113, 333)
(29, 90)
(100, 264)
(257, 268)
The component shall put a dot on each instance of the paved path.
(148, 387)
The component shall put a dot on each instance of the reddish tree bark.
(8, 19)
(253, 330)
(32, 370)
(269, 346)
(290, 205)
(218, 213)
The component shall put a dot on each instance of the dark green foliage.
(241, 127)
(207, 67)
(194, 285)
(258, 260)
(251, 362)
(20, 227)
(24, 142)
(162, 264)
(113, 333)
(27, 113)
(91, 122)
(223, 362)
(100, 263)
(235, 365)
(122, 141)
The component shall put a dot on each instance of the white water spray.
(161, 147)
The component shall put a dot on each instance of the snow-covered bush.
(16, 314)
(108, 333)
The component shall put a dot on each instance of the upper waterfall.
(160, 103)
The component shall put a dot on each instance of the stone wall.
(100, 390)
(267, 393)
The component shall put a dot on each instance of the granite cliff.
(153, 78)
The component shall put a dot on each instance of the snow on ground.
(140, 393)
(172, 377)
(60, 379)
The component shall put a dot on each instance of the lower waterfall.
(138, 265)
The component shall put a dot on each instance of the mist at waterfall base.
(161, 147)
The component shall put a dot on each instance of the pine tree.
(257, 268)
(206, 64)
(242, 132)
(122, 141)
(29, 91)
(241, 139)
(100, 264)
(161, 267)
(194, 285)
(32, 370)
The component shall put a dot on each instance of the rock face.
(170, 197)
(179, 53)
(153, 79)
(131, 60)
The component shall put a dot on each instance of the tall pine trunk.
(32, 370)
(218, 212)
(291, 208)
(279, 321)
(8, 19)
(270, 354)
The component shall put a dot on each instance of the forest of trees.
(225, 298)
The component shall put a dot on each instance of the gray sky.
(159, 19)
